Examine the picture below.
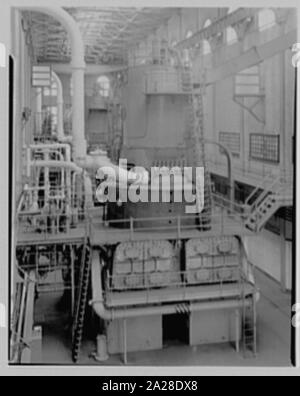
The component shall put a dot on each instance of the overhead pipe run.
(78, 67)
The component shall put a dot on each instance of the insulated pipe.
(57, 164)
(60, 107)
(122, 313)
(78, 67)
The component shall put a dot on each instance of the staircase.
(276, 195)
(23, 320)
(196, 133)
(81, 301)
(249, 326)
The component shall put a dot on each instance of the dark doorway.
(175, 329)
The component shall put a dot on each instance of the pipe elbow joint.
(101, 311)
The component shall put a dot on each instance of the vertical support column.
(282, 255)
(79, 142)
(283, 139)
(38, 107)
(125, 340)
(46, 178)
(254, 312)
(244, 154)
(237, 330)
(72, 278)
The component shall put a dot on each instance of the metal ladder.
(196, 128)
(81, 301)
(249, 326)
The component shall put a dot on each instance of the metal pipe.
(228, 155)
(60, 107)
(57, 164)
(78, 67)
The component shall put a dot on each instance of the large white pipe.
(78, 67)
(60, 107)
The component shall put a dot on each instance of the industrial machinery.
(161, 261)
(147, 260)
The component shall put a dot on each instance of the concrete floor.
(273, 338)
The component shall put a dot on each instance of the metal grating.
(232, 141)
(265, 147)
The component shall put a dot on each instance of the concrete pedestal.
(142, 334)
(216, 326)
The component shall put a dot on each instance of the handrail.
(235, 208)
(259, 187)
(180, 278)
(264, 194)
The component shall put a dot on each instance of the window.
(265, 147)
(2, 55)
(206, 45)
(189, 34)
(266, 19)
(207, 23)
(71, 87)
(232, 9)
(231, 36)
(51, 91)
(232, 141)
(103, 86)
(248, 82)
(49, 120)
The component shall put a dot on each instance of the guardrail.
(152, 280)
(219, 223)
(64, 213)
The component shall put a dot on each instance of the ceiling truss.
(107, 32)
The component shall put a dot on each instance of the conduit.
(122, 313)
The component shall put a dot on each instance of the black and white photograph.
(149, 152)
